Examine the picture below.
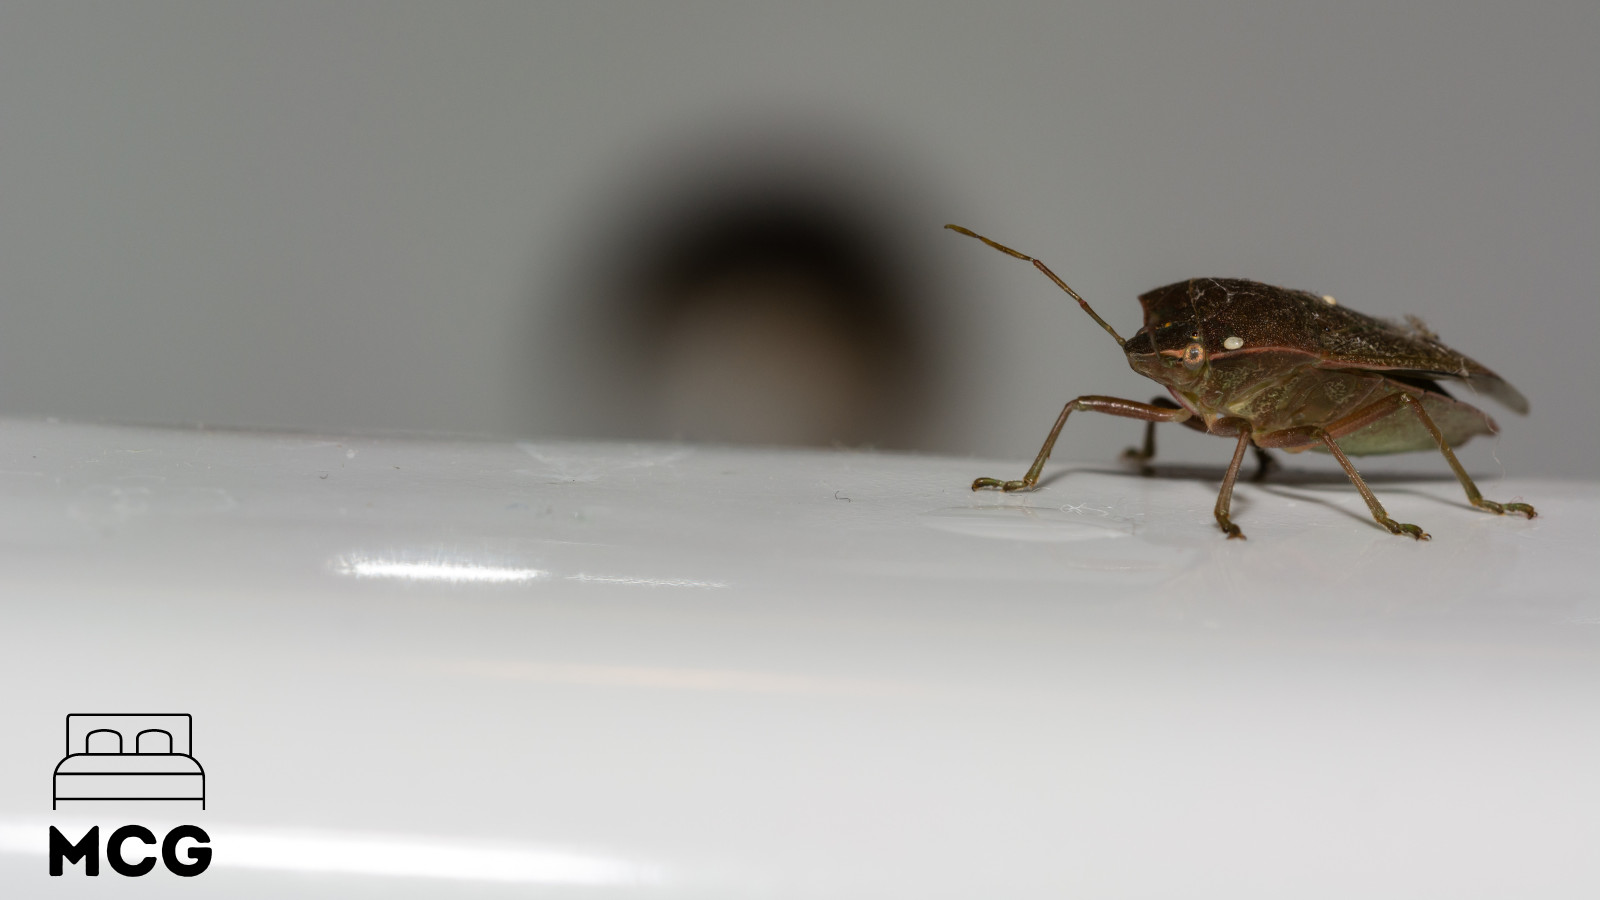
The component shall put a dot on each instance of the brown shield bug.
(1290, 370)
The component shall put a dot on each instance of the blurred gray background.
(714, 221)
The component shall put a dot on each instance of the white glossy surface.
(450, 669)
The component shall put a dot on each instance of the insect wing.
(1359, 341)
(1248, 316)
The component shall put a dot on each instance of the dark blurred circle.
(760, 294)
(774, 322)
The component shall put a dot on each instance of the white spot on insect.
(1233, 343)
(1328, 299)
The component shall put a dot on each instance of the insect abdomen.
(1403, 432)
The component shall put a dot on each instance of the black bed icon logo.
(139, 757)
(129, 757)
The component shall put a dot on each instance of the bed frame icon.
(118, 756)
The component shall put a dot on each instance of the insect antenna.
(1046, 270)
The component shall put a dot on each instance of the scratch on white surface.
(1027, 523)
(109, 504)
(1082, 508)
(586, 464)
(291, 444)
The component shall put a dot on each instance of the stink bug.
(1289, 370)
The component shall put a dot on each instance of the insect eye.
(1194, 355)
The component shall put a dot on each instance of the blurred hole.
(775, 323)
(759, 292)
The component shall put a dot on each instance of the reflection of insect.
(1286, 369)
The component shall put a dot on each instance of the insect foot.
(1137, 457)
(1501, 509)
(1007, 486)
(1402, 528)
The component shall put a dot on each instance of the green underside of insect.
(1275, 368)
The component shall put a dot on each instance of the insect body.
(1278, 368)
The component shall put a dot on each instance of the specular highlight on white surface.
(453, 572)
(645, 582)
(466, 572)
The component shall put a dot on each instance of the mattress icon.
(129, 757)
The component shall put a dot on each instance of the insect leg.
(1143, 456)
(1475, 498)
(1366, 492)
(1225, 496)
(1265, 463)
(1109, 405)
